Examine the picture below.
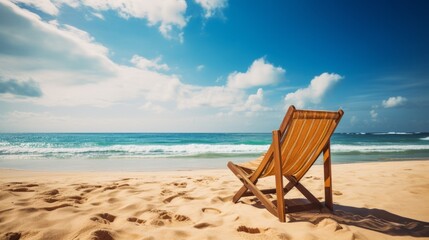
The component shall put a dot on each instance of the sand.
(388, 200)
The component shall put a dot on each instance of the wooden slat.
(279, 177)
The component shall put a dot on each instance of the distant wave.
(425, 138)
(179, 150)
(393, 133)
(381, 133)
(140, 150)
(341, 148)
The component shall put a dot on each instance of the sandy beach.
(386, 200)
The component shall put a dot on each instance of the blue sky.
(211, 65)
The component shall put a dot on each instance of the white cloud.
(144, 63)
(260, 73)
(98, 15)
(314, 93)
(394, 102)
(46, 6)
(167, 14)
(373, 114)
(214, 96)
(253, 103)
(212, 6)
(200, 68)
(149, 106)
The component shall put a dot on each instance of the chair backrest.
(304, 135)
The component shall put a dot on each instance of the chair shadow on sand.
(373, 219)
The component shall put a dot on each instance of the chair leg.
(279, 177)
(328, 176)
(249, 185)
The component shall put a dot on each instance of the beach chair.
(302, 137)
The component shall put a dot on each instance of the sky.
(211, 65)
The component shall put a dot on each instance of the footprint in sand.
(50, 200)
(283, 236)
(136, 220)
(205, 180)
(87, 188)
(337, 193)
(169, 199)
(112, 187)
(203, 225)
(166, 192)
(105, 218)
(101, 235)
(76, 199)
(20, 189)
(51, 192)
(250, 230)
(180, 184)
(57, 207)
(211, 210)
(181, 218)
(162, 217)
(12, 236)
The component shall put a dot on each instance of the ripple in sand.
(51, 192)
(56, 207)
(20, 189)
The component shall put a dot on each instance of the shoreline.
(377, 200)
(191, 169)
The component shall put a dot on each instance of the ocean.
(184, 151)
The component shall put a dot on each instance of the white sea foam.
(144, 150)
(184, 150)
(341, 148)
(393, 133)
(425, 138)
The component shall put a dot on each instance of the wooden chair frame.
(274, 154)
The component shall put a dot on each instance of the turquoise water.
(179, 151)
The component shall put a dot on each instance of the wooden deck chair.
(302, 137)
